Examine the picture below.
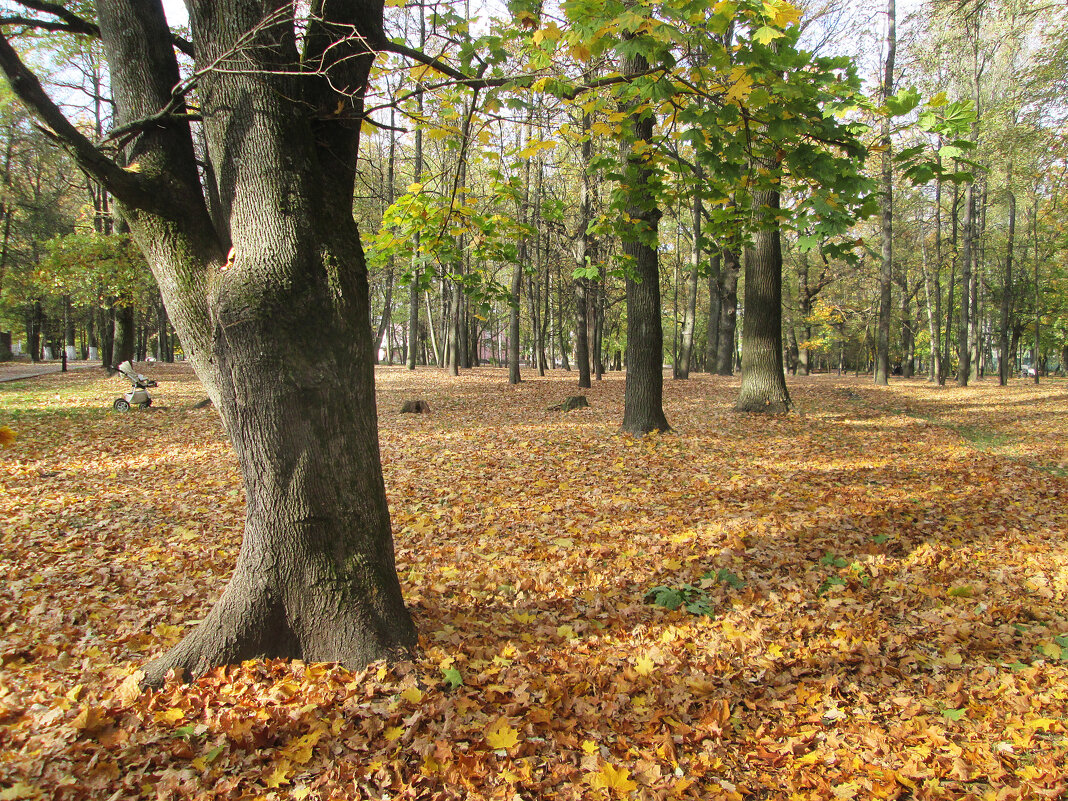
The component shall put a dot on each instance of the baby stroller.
(139, 394)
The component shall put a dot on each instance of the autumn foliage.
(871, 599)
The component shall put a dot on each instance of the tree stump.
(574, 402)
(415, 407)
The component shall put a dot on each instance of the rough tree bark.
(281, 339)
(763, 386)
(643, 410)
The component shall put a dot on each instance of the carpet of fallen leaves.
(871, 599)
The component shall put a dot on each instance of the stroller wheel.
(121, 405)
(145, 404)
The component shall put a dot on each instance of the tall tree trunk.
(387, 300)
(882, 358)
(1004, 357)
(123, 341)
(963, 349)
(712, 340)
(281, 339)
(689, 322)
(1038, 293)
(763, 386)
(414, 290)
(643, 409)
(583, 253)
(932, 296)
(728, 314)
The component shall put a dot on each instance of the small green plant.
(830, 581)
(724, 576)
(693, 599)
(831, 560)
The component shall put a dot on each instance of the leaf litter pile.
(865, 598)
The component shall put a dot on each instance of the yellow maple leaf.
(393, 733)
(672, 564)
(280, 774)
(589, 746)
(741, 85)
(300, 750)
(782, 13)
(172, 715)
(412, 695)
(501, 735)
(7, 436)
(19, 791)
(612, 778)
(644, 665)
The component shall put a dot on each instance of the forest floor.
(865, 598)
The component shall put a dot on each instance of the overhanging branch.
(69, 22)
(28, 89)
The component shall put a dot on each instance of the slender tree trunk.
(417, 177)
(712, 340)
(643, 409)
(1004, 357)
(932, 296)
(387, 301)
(690, 312)
(963, 349)
(1038, 293)
(882, 359)
(728, 315)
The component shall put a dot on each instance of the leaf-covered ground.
(870, 599)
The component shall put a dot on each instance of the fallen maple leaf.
(502, 736)
(7, 436)
(130, 689)
(19, 791)
(172, 715)
(644, 665)
(617, 780)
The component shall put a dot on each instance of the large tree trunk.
(763, 380)
(123, 341)
(281, 339)
(643, 409)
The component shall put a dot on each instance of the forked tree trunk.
(763, 380)
(281, 339)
